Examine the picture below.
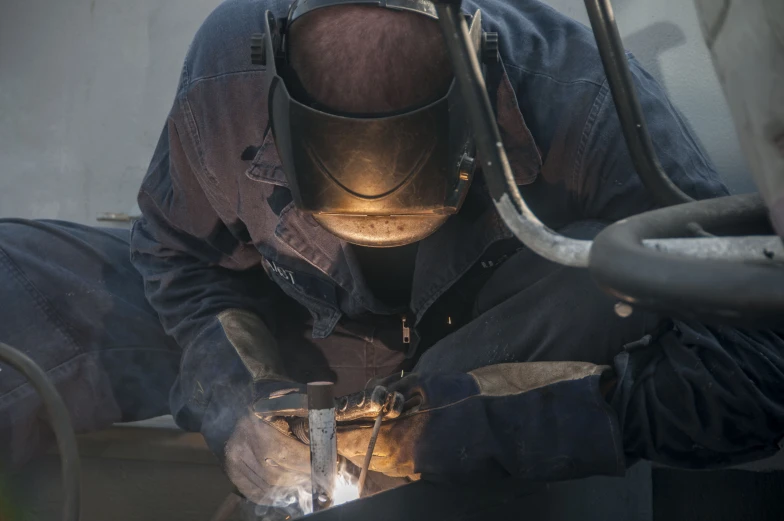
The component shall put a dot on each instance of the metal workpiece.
(505, 499)
(323, 443)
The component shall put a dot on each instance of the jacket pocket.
(317, 295)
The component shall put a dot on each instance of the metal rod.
(762, 249)
(495, 165)
(323, 443)
(627, 104)
(369, 455)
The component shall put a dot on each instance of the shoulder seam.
(588, 130)
(549, 77)
(196, 81)
(185, 80)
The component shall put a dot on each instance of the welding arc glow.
(296, 500)
(346, 488)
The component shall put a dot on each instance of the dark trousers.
(72, 301)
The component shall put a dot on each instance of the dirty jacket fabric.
(219, 229)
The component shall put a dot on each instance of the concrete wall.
(85, 86)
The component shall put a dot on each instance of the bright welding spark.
(346, 488)
(296, 500)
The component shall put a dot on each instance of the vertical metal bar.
(323, 443)
(514, 211)
(627, 104)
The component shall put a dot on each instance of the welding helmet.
(372, 180)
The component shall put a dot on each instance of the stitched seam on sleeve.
(41, 302)
(588, 132)
(552, 78)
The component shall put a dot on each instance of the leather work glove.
(231, 364)
(536, 420)
(264, 460)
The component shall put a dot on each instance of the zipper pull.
(406, 331)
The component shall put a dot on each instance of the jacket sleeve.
(607, 186)
(197, 268)
(698, 396)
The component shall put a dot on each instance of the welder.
(314, 210)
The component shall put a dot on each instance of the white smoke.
(346, 488)
(282, 503)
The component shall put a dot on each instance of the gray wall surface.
(85, 86)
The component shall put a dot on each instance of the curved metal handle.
(498, 176)
(749, 293)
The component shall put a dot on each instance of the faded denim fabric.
(220, 231)
(216, 206)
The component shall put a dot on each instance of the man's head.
(368, 60)
(369, 126)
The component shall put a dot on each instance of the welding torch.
(313, 419)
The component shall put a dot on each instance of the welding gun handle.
(363, 405)
(367, 405)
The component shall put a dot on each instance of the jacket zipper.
(406, 330)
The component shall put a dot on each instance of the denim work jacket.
(216, 208)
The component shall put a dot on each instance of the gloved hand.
(538, 420)
(264, 460)
(230, 365)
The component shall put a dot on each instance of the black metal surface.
(708, 290)
(729, 495)
(592, 499)
(635, 130)
(429, 501)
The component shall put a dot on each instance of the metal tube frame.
(723, 264)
